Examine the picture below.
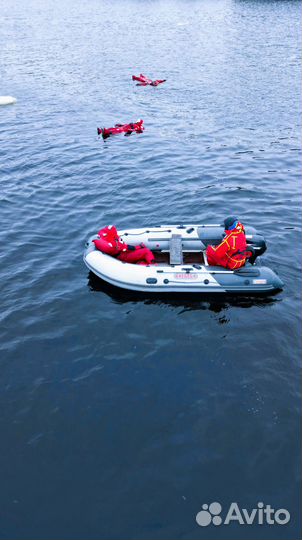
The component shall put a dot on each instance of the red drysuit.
(232, 252)
(144, 81)
(122, 128)
(140, 255)
(111, 244)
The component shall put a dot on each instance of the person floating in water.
(232, 253)
(127, 129)
(110, 243)
(144, 81)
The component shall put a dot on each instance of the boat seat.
(205, 258)
(176, 255)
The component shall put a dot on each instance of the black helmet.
(229, 221)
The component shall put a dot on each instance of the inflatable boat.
(181, 262)
(7, 100)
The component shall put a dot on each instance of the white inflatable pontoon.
(7, 100)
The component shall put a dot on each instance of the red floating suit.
(141, 255)
(232, 252)
(136, 127)
(144, 81)
(110, 243)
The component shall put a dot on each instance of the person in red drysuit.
(136, 127)
(144, 81)
(232, 252)
(110, 243)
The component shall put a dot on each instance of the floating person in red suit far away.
(144, 81)
(110, 243)
(233, 252)
(127, 129)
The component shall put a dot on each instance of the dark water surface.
(122, 414)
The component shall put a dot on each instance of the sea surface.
(123, 413)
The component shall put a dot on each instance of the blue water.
(121, 414)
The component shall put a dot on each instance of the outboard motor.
(258, 244)
(253, 254)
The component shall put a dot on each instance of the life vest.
(144, 81)
(232, 252)
(136, 127)
(109, 241)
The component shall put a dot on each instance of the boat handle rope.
(144, 232)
